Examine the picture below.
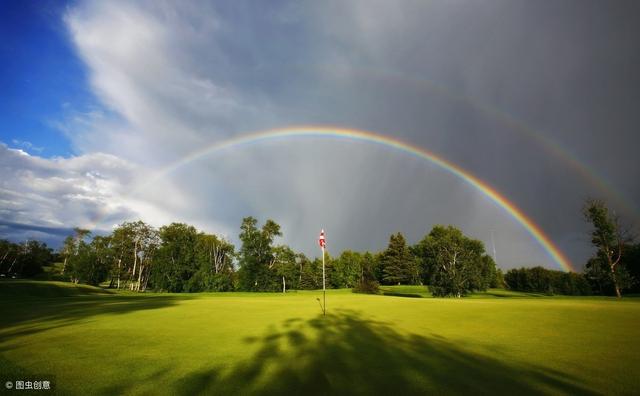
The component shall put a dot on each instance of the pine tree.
(398, 264)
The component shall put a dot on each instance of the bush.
(367, 287)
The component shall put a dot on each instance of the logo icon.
(8, 385)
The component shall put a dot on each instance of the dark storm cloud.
(11, 229)
(457, 77)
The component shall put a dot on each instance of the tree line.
(179, 258)
(542, 280)
(613, 269)
(24, 259)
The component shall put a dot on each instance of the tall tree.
(310, 277)
(32, 256)
(9, 253)
(134, 245)
(72, 245)
(175, 262)
(367, 282)
(90, 264)
(256, 256)
(214, 258)
(122, 242)
(607, 236)
(498, 281)
(285, 266)
(101, 255)
(488, 273)
(67, 250)
(347, 269)
(398, 264)
(79, 254)
(455, 262)
(146, 241)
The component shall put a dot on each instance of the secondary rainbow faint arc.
(509, 120)
(360, 135)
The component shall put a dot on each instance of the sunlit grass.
(230, 343)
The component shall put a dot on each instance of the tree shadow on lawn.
(499, 294)
(29, 288)
(347, 354)
(398, 294)
(30, 316)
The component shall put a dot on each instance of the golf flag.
(321, 240)
(323, 243)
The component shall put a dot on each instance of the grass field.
(95, 342)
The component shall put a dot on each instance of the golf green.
(89, 341)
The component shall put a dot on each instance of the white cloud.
(66, 192)
(143, 63)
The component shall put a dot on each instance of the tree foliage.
(179, 258)
(367, 282)
(609, 238)
(398, 264)
(542, 280)
(454, 264)
(91, 261)
(286, 267)
(24, 259)
(176, 258)
(214, 262)
(347, 269)
(257, 257)
(310, 274)
(631, 265)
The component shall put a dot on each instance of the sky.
(538, 100)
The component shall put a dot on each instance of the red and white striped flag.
(321, 240)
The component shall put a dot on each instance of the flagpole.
(322, 243)
(324, 289)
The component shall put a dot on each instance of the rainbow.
(370, 137)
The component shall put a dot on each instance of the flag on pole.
(322, 243)
(321, 240)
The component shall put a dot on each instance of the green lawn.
(239, 343)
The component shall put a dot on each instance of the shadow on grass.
(48, 306)
(505, 294)
(399, 294)
(30, 288)
(346, 354)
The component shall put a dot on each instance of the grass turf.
(97, 342)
